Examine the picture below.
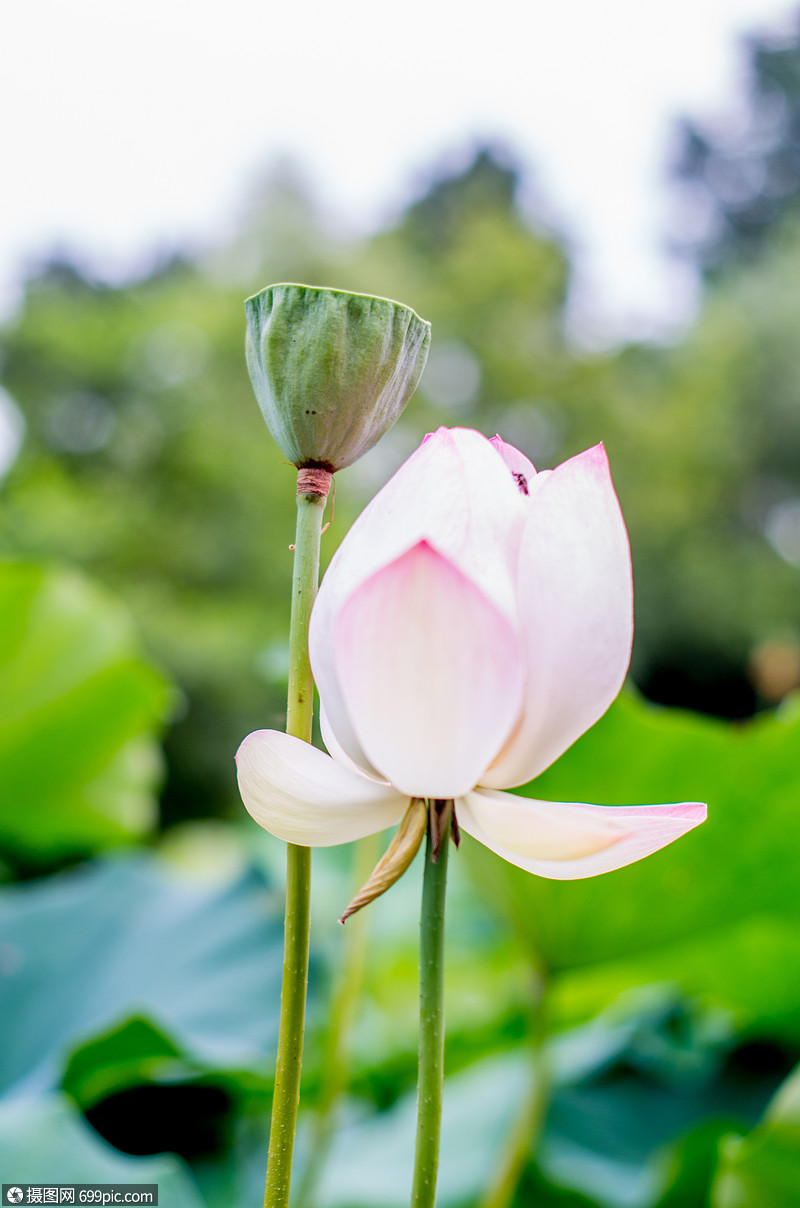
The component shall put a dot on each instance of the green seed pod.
(332, 371)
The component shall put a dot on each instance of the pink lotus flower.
(475, 621)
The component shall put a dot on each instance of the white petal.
(575, 613)
(340, 755)
(565, 840)
(430, 674)
(303, 796)
(455, 493)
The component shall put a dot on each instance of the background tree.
(739, 176)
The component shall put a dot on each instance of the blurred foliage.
(762, 1168)
(80, 710)
(48, 1141)
(202, 964)
(622, 1090)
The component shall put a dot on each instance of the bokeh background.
(601, 218)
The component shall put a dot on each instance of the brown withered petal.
(399, 854)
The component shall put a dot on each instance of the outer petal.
(576, 613)
(303, 796)
(567, 841)
(453, 492)
(430, 674)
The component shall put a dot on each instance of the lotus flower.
(475, 621)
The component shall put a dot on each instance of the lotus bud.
(332, 371)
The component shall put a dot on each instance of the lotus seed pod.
(331, 370)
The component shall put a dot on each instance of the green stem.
(527, 1130)
(430, 1079)
(342, 1016)
(300, 714)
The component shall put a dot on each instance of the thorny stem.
(300, 712)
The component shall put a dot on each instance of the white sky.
(130, 126)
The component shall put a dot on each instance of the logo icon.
(14, 1195)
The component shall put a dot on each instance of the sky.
(130, 128)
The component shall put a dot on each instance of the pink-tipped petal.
(576, 613)
(430, 673)
(303, 796)
(566, 841)
(453, 492)
(521, 469)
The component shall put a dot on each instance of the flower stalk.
(527, 1130)
(299, 719)
(430, 1079)
(338, 1036)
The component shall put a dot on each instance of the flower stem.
(336, 1053)
(526, 1132)
(300, 714)
(430, 1079)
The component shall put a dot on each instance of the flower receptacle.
(331, 370)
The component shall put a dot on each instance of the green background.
(144, 532)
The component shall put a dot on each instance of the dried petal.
(399, 854)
